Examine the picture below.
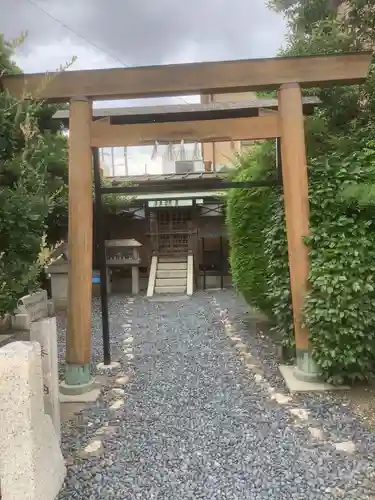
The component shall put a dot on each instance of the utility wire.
(90, 42)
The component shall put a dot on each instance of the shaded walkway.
(205, 415)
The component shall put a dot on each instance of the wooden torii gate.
(80, 88)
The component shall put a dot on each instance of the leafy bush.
(24, 200)
(33, 187)
(340, 307)
(339, 310)
(30, 186)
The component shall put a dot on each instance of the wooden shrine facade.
(171, 224)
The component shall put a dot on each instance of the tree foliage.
(32, 185)
(339, 310)
(24, 199)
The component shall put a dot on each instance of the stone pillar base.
(306, 369)
(78, 379)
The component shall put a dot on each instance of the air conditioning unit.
(184, 166)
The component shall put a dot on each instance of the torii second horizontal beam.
(103, 134)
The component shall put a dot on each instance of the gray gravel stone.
(195, 423)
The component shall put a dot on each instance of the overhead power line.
(90, 42)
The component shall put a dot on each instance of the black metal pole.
(204, 265)
(100, 249)
(221, 263)
(279, 161)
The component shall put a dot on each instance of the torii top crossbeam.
(195, 78)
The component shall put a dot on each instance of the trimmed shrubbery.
(340, 307)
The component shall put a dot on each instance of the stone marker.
(58, 271)
(44, 332)
(32, 314)
(30, 308)
(31, 463)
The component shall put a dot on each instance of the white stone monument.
(32, 314)
(31, 463)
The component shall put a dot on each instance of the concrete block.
(31, 463)
(44, 332)
(295, 385)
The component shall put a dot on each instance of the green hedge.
(340, 308)
(248, 211)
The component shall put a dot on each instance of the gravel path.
(198, 411)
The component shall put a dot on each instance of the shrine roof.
(188, 112)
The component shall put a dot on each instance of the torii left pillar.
(78, 378)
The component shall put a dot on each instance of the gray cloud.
(139, 32)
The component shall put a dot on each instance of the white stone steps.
(172, 258)
(174, 273)
(171, 275)
(171, 266)
(170, 289)
(171, 282)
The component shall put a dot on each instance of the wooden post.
(78, 350)
(295, 182)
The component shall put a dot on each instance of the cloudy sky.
(113, 33)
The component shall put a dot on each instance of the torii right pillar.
(295, 183)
